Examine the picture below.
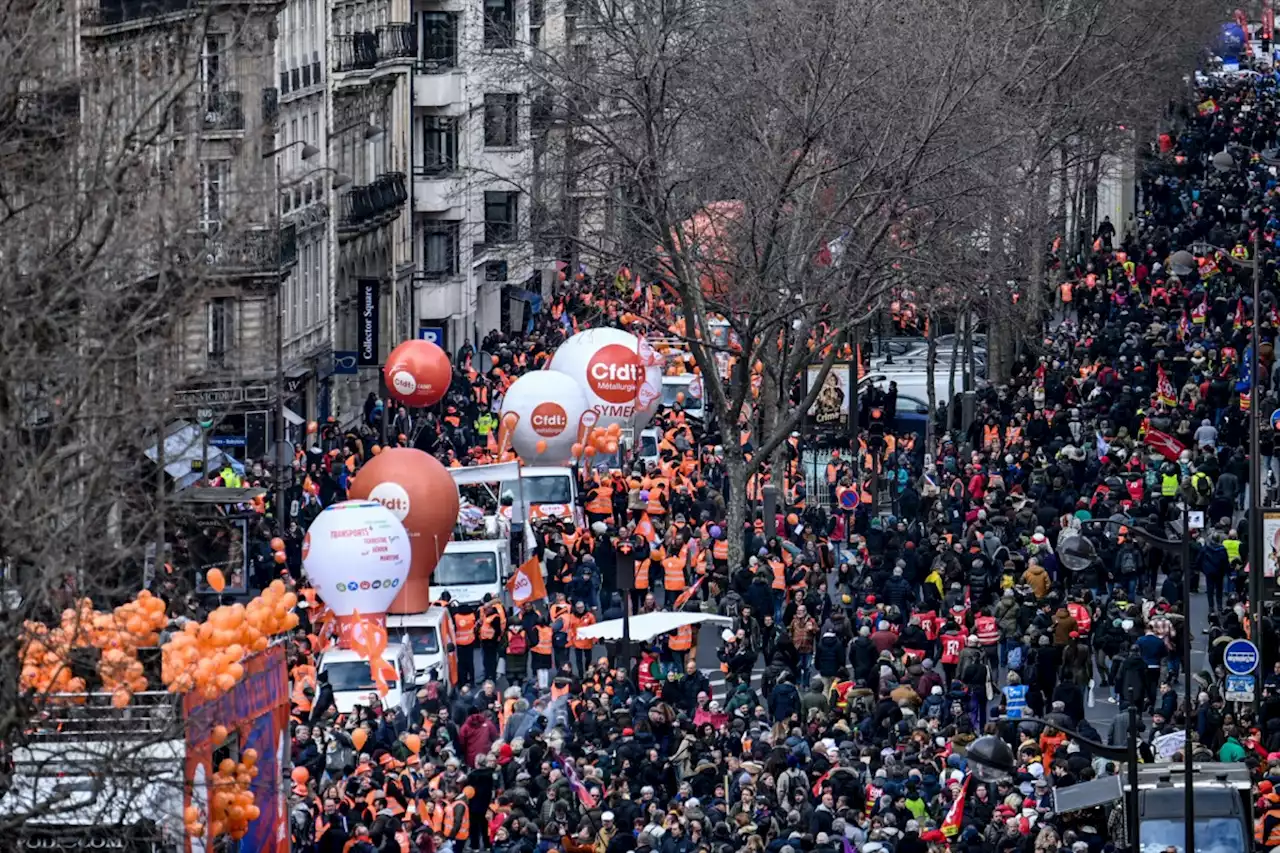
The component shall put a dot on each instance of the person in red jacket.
(478, 734)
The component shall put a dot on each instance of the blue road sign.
(1275, 419)
(1241, 657)
(434, 334)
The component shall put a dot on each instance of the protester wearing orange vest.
(492, 628)
(464, 637)
(580, 618)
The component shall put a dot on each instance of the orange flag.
(526, 585)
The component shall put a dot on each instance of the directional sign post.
(204, 417)
(1241, 657)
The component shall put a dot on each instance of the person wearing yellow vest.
(464, 637)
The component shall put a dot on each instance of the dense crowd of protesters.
(867, 650)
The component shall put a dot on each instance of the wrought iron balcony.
(372, 204)
(211, 112)
(109, 13)
(356, 51)
(251, 251)
(397, 41)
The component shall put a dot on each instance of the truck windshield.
(465, 569)
(348, 675)
(648, 445)
(424, 640)
(1213, 835)
(549, 489)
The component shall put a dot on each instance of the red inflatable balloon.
(418, 489)
(418, 373)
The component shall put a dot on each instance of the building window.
(495, 270)
(220, 313)
(439, 49)
(500, 217)
(212, 73)
(439, 144)
(213, 187)
(501, 118)
(499, 24)
(440, 249)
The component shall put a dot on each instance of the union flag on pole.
(955, 815)
(526, 584)
(1199, 312)
(1246, 401)
(1164, 444)
(1164, 388)
(1184, 327)
(1238, 319)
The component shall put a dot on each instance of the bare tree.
(102, 259)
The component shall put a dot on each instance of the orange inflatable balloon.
(301, 775)
(413, 742)
(418, 373)
(358, 737)
(217, 582)
(418, 489)
(277, 544)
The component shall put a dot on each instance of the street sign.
(1275, 419)
(346, 362)
(204, 417)
(434, 334)
(1241, 657)
(1195, 519)
(1239, 688)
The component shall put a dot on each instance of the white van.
(427, 635)
(548, 492)
(686, 384)
(647, 448)
(472, 568)
(351, 678)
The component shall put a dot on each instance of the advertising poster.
(830, 410)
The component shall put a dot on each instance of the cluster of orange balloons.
(277, 546)
(206, 656)
(118, 634)
(598, 440)
(231, 806)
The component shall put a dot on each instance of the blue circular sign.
(1275, 419)
(1241, 657)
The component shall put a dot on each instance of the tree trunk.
(931, 372)
(736, 503)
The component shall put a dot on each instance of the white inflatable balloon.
(550, 405)
(356, 555)
(620, 374)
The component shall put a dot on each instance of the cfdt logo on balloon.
(549, 419)
(615, 374)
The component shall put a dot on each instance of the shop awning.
(646, 626)
(293, 417)
(182, 453)
(1087, 795)
(219, 495)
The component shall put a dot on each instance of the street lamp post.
(1182, 547)
(1224, 161)
(992, 760)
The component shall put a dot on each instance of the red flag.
(1238, 320)
(1246, 401)
(1164, 388)
(955, 814)
(1199, 312)
(1164, 444)
(683, 598)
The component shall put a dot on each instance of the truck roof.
(348, 655)
(431, 618)
(545, 471)
(474, 546)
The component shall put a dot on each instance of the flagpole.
(1255, 462)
